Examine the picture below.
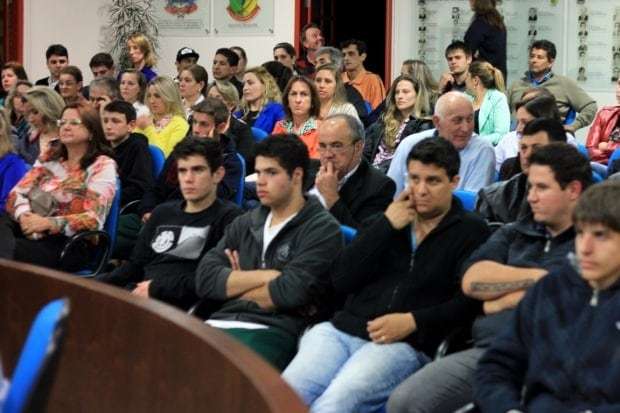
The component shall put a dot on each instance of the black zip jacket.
(381, 276)
(302, 251)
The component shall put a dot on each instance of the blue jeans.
(337, 372)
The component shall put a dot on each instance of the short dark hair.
(360, 44)
(305, 28)
(102, 59)
(439, 152)
(231, 57)
(457, 45)
(213, 107)
(554, 129)
(315, 102)
(73, 71)
(599, 205)
(547, 46)
(207, 148)
(122, 107)
(241, 51)
(288, 150)
(56, 49)
(289, 48)
(566, 162)
(541, 106)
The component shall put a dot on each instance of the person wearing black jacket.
(506, 201)
(486, 35)
(559, 352)
(401, 274)
(208, 120)
(270, 270)
(347, 185)
(179, 233)
(499, 273)
(131, 150)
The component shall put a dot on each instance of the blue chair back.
(158, 158)
(570, 117)
(43, 342)
(467, 198)
(111, 223)
(583, 150)
(241, 186)
(615, 155)
(348, 233)
(258, 134)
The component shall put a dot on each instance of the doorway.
(373, 26)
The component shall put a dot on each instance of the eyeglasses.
(336, 147)
(72, 122)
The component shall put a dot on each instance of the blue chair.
(615, 155)
(158, 158)
(600, 169)
(467, 198)
(37, 359)
(583, 150)
(106, 239)
(258, 134)
(348, 233)
(241, 187)
(596, 178)
(570, 117)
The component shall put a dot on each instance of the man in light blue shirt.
(454, 121)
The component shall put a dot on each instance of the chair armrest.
(102, 245)
(130, 207)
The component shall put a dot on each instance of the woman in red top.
(302, 107)
(604, 134)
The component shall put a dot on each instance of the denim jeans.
(337, 372)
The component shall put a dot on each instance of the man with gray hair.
(330, 55)
(346, 184)
(103, 90)
(454, 121)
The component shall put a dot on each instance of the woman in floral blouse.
(70, 189)
(167, 125)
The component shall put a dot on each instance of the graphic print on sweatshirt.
(180, 241)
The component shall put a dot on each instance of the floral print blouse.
(83, 197)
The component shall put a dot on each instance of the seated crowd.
(235, 195)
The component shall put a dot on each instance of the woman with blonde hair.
(43, 109)
(429, 88)
(142, 55)
(167, 125)
(398, 121)
(333, 97)
(69, 190)
(302, 106)
(226, 92)
(260, 105)
(491, 112)
(12, 166)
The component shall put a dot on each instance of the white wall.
(405, 37)
(78, 24)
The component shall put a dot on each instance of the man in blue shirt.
(454, 121)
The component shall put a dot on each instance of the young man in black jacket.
(401, 274)
(131, 150)
(499, 273)
(560, 350)
(178, 233)
(272, 265)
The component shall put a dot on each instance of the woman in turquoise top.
(492, 114)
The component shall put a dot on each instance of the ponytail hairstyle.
(490, 76)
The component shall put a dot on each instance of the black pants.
(44, 252)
